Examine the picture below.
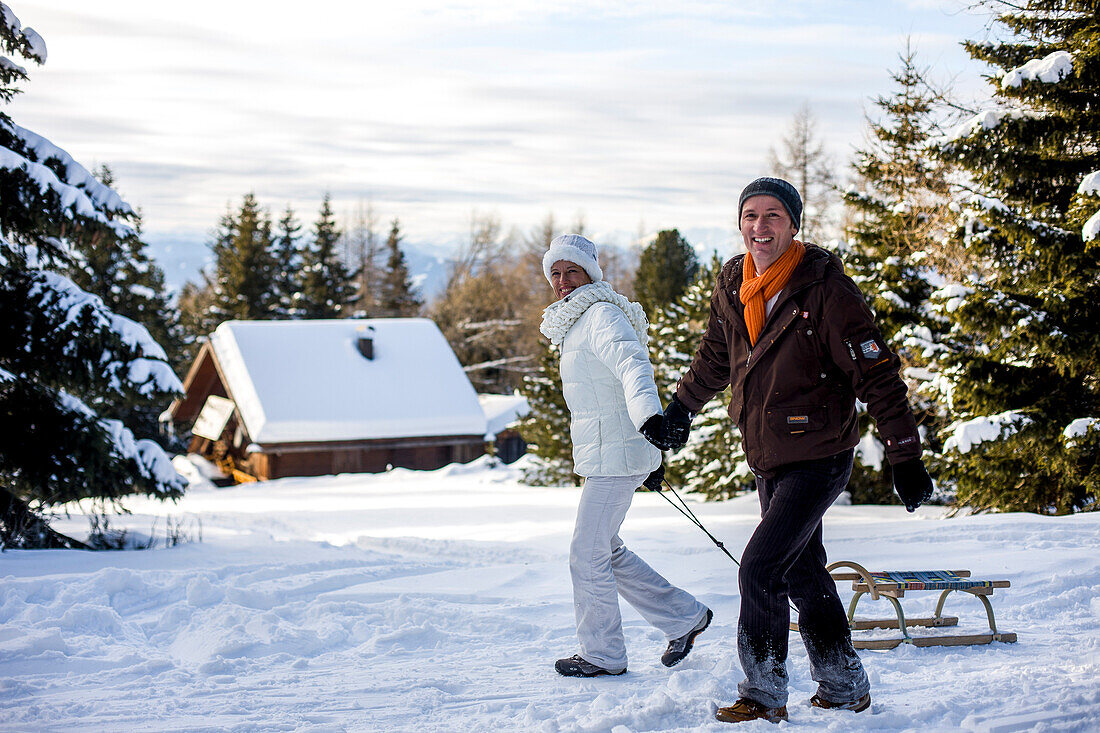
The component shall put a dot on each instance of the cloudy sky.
(634, 112)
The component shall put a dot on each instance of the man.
(791, 335)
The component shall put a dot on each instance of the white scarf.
(560, 316)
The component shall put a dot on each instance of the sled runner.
(892, 585)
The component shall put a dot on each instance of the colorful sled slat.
(929, 580)
(893, 584)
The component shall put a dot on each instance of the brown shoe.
(856, 706)
(744, 710)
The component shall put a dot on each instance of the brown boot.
(744, 710)
(857, 706)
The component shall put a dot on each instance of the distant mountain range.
(183, 257)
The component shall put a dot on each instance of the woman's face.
(566, 276)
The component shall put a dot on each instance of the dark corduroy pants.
(785, 558)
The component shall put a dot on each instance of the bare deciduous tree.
(804, 161)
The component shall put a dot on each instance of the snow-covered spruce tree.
(125, 277)
(328, 288)
(243, 283)
(287, 254)
(397, 297)
(65, 357)
(666, 268)
(897, 214)
(545, 429)
(196, 316)
(712, 463)
(1022, 376)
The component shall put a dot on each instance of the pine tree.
(199, 313)
(1025, 341)
(287, 256)
(805, 163)
(899, 212)
(712, 463)
(196, 307)
(545, 429)
(120, 271)
(397, 297)
(65, 358)
(328, 288)
(665, 270)
(243, 283)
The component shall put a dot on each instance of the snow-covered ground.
(438, 601)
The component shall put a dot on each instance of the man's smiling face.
(767, 230)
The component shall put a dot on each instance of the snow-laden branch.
(149, 373)
(969, 433)
(103, 196)
(1079, 427)
(1050, 69)
(987, 120)
(1091, 230)
(1090, 185)
(72, 198)
(506, 363)
(36, 47)
(979, 204)
(11, 67)
(80, 193)
(150, 458)
(953, 295)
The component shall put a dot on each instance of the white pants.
(603, 569)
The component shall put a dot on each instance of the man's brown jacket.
(794, 393)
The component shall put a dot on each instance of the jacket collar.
(810, 270)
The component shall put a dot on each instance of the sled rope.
(681, 506)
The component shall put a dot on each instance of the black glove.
(912, 483)
(651, 430)
(653, 481)
(676, 425)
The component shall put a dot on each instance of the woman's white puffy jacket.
(607, 382)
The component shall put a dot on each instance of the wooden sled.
(892, 585)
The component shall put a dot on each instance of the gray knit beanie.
(785, 192)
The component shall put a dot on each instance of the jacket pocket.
(735, 405)
(798, 419)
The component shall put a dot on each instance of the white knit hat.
(573, 248)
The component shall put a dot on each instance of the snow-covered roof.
(501, 411)
(306, 381)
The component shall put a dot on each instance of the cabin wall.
(319, 459)
(509, 446)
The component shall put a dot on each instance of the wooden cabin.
(502, 414)
(268, 399)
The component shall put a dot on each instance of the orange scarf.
(756, 290)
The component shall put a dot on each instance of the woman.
(607, 382)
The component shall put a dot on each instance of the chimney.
(365, 342)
